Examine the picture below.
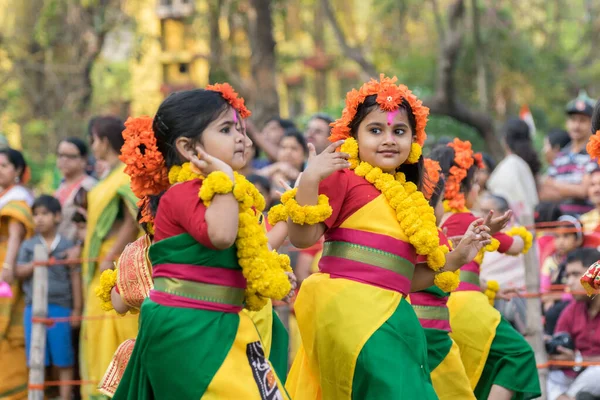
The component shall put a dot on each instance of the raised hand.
(321, 166)
(475, 238)
(498, 223)
(205, 163)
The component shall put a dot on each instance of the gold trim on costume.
(469, 277)
(432, 312)
(200, 291)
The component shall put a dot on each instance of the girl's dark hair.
(438, 191)
(260, 180)
(294, 133)
(445, 156)
(80, 144)
(489, 162)
(183, 114)
(547, 211)
(110, 128)
(518, 140)
(15, 157)
(558, 138)
(413, 172)
(596, 118)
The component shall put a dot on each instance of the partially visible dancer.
(499, 362)
(111, 225)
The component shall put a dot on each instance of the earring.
(17, 180)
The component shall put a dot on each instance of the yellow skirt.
(474, 324)
(13, 361)
(101, 337)
(449, 378)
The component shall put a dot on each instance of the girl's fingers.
(333, 146)
(285, 185)
(312, 152)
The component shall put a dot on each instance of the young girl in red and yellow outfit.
(360, 337)
(448, 374)
(210, 256)
(499, 362)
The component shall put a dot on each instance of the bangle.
(524, 234)
(277, 214)
(309, 215)
(217, 182)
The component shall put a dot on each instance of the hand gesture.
(474, 239)
(294, 283)
(564, 354)
(498, 223)
(321, 166)
(205, 163)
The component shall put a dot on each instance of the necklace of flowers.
(264, 270)
(413, 212)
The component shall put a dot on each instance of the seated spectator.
(591, 219)
(581, 321)
(268, 139)
(64, 288)
(264, 187)
(554, 142)
(317, 131)
(568, 176)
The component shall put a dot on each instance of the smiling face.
(385, 138)
(225, 138)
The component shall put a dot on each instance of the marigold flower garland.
(108, 280)
(263, 269)
(493, 246)
(309, 215)
(522, 232)
(389, 97)
(413, 212)
(492, 288)
(448, 281)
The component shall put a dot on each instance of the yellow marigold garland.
(309, 215)
(492, 288)
(493, 246)
(524, 234)
(277, 214)
(415, 153)
(108, 280)
(415, 215)
(263, 269)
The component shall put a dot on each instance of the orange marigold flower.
(593, 146)
(463, 160)
(479, 160)
(144, 163)
(230, 95)
(388, 99)
(432, 177)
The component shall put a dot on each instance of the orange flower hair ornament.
(479, 160)
(432, 177)
(593, 146)
(463, 160)
(230, 95)
(389, 97)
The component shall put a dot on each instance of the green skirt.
(393, 364)
(510, 364)
(185, 354)
(438, 346)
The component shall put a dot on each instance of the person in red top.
(581, 320)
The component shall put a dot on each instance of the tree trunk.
(480, 59)
(445, 100)
(353, 53)
(262, 44)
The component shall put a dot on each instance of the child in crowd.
(568, 237)
(61, 281)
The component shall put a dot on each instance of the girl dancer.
(210, 256)
(499, 362)
(448, 374)
(360, 337)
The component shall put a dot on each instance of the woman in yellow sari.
(16, 224)
(112, 224)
